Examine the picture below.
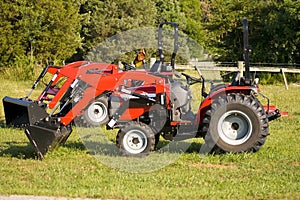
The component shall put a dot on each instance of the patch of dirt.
(30, 197)
(201, 165)
(297, 164)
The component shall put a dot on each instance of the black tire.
(235, 123)
(96, 113)
(135, 139)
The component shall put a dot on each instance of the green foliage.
(55, 31)
(21, 70)
(107, 18)
(47, 31)
(192, 25)
(266, 78)
(168, 11)
(294, 78)
(10, 35)
(273, 26)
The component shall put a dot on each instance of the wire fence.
(234, 66)
(239, 66)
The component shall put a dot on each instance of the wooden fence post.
(241, 68)
(284, 79)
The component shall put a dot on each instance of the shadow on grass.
(23, 150)
(110, 149)
(18, 150)
(76, 145)
(3, 124)
(193, 147)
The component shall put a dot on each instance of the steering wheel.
(191, 80)
(127, 66)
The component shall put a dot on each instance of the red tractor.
(230, 118)
(143, 105)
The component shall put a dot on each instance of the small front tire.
(135, 139)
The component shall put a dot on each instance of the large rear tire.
(235, 123)
(135, 139)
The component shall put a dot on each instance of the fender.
(218, 91)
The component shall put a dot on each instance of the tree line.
(48, 31)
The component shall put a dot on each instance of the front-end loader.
(78, 92)
(74, 91)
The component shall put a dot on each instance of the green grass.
(71, 171)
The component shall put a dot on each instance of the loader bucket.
(44, 137)
(22, 112)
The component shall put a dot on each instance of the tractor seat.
(156, 67)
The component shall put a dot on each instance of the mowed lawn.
(72, 171)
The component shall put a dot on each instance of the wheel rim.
(135, 141)
(97, 112)
(234, 127)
